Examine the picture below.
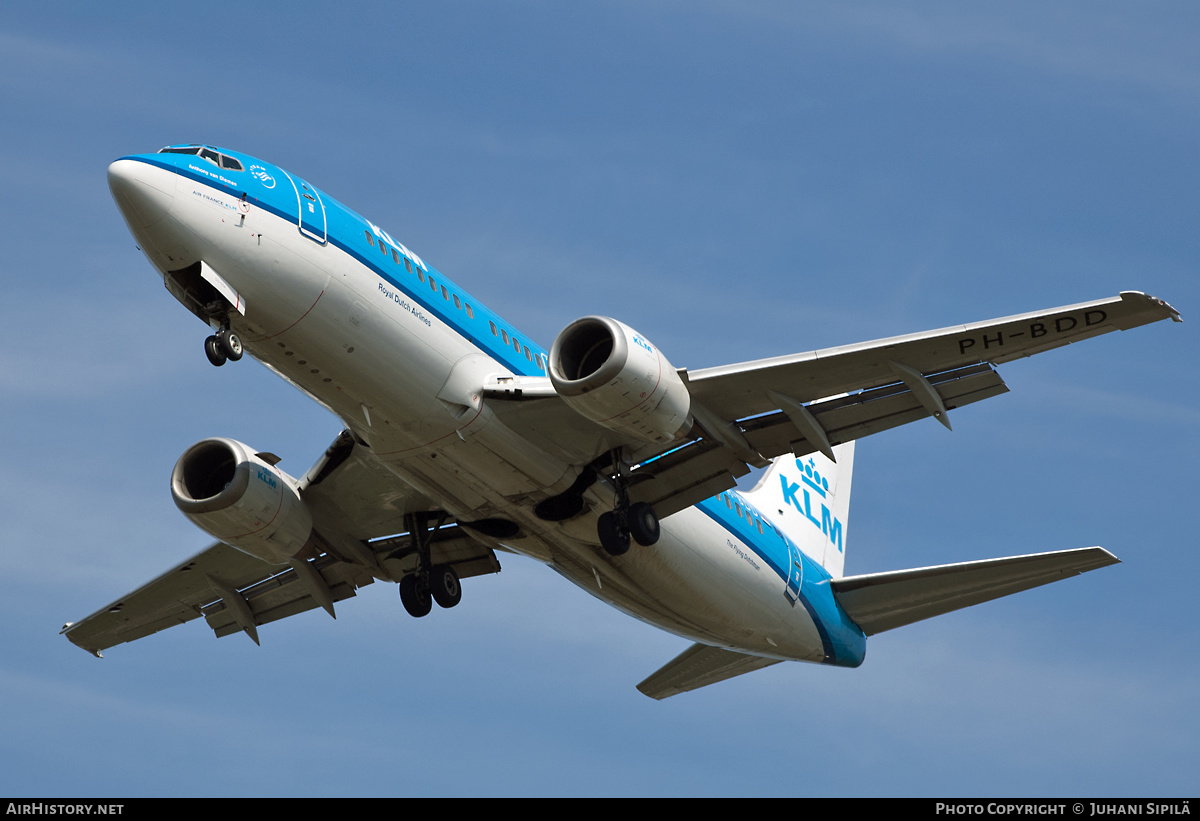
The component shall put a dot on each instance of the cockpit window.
(217, 159)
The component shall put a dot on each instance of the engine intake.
(611, 374)
(236, 496)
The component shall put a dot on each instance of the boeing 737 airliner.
(464, 439)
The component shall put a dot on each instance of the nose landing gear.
(222, 346)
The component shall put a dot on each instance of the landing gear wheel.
(214, 351)
(643, 524)
(443, 584)
(414, 595)
(231, 345)
(614, 537)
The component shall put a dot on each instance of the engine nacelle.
(234, 495)
(609, 373)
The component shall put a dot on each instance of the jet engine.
(609, 373)
(241, 498)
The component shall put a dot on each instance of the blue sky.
(735, 180)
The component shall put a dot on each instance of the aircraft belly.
(692, 583)
(389, 376)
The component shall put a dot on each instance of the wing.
(354, 502)
(749, 413)
(736, 391)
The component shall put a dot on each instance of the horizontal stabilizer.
(884, 601)
(698, 666)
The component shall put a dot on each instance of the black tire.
(414, 595)
(643, 524)
(231, 345)
(613, 537)
(444, 585)
(214, 352)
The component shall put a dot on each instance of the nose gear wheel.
(222, 346)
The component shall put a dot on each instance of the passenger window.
(396, 256)
(432, 285)
(457, 302)
(516, 345)
(370, 239)
(445, 294)
(504, 336)
(493, 327)
(470, 311)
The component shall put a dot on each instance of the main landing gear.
(430, 583)
(616, 528)
(418, 591)
(223, 345)
(626, 521)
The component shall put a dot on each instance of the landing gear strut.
(429, 584)
(636, 521)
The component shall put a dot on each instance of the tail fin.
(808, 500)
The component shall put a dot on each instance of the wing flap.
(884, 601)
(288, 594)
(861, 414)
(682, 478)
(699, 666)
(236, 592)
(703, 468)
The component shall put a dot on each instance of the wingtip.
(1162, 303)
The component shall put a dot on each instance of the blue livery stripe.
(350, 222)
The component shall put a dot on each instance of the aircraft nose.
(142, 192)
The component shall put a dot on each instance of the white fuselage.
(409, 384)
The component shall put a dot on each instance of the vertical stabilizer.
(808, 500)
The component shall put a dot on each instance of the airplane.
(463, 440)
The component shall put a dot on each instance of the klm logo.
(809, 496)
(264, 476)
(641, 343)
(384, 236)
